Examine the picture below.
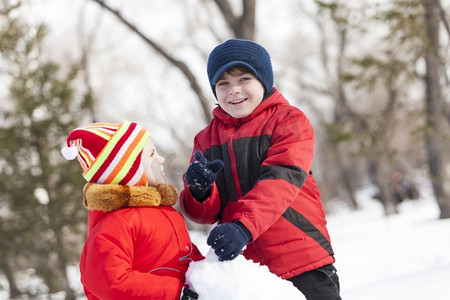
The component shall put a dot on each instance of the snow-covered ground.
(404, 256)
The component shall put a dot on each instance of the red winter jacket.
(134, 253)
(267, 185)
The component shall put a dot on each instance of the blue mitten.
(201, 175)
(228, 239)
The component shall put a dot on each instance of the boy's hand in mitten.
(201, 175)
(228, 240)
(187, 293)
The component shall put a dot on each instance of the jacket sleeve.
(201, 213)
(107, 270)
(282, 175)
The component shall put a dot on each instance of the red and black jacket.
(266, 184)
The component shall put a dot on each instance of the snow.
(237, 279)
(404, 256)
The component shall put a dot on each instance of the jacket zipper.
(233, 162)
(236, 181)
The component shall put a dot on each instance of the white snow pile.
(237, 279)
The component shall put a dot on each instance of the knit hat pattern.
(243, 53)
(109, 153)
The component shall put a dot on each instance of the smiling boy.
(239, 92)
(251, 173)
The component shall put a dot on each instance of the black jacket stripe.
(303, 224)
(291, 174)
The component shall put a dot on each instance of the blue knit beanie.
(240, 53)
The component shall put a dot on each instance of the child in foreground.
(137, 246)
(251, 173)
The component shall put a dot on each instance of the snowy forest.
(373, 76)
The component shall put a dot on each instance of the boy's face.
(153, 164)
(239, 94)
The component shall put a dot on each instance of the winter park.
(224, 149)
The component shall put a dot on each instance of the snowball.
(237, 279)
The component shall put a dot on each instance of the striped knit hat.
(109, 153)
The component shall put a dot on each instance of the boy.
(137, 244)
(250, 172)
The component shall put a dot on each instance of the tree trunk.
(243, 26)
(434, 105)
(9, 274)
(346, 178)
(62, 265)
(379, 175)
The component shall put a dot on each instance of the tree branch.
(443, 17)
(243, 26)
(177, 63)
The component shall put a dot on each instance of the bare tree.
(356, 131)
(243, 26)
(414, 34)
(337, 153)
(171, 59)
(435, 142)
